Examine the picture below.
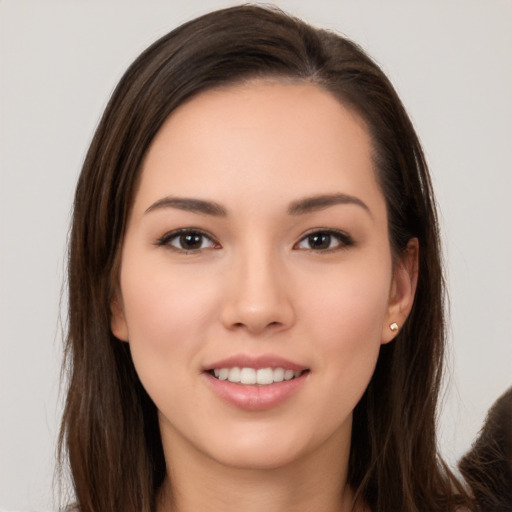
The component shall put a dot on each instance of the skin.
(256, 285)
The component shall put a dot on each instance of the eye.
(187, 240)
(325, 240)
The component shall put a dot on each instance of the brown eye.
(319, 241)
(325, 241)
(187, 240)
(191, 241)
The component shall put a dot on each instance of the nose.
(258, 297)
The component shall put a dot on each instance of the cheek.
(347, 315)
(354, 299)
(167, 316)
(347, 325)
(157, 298)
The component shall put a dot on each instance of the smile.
(251, 376)
(255, 382)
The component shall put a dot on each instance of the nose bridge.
(258, 297)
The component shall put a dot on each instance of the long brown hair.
(109, 430)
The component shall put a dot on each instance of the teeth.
(234, 374)
(248, 376)
(278, 375)
(265, 376)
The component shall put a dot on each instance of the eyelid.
(166, 238)
(345, 240)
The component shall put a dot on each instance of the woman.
(256, 296)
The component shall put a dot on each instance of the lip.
(254, 397)
(256, 362)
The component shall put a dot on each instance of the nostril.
(255, 326)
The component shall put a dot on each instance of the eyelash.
(343, 240)
(177, 234)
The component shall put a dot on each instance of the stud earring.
(394, 326)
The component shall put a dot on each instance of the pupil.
(191, 241)
(320, 241)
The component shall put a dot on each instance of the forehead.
(260, 138)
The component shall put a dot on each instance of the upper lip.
(256, 362)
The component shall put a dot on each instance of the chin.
(271, 446)
(263, 456)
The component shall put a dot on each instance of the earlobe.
(118, 320)
(402, 292)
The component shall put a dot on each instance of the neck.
(316, 481)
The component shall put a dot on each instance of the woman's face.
(257, 249)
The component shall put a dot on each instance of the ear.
(118, 324)
(403, 289)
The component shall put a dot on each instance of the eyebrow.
(190, 205)
(320, 202)
(298, 207)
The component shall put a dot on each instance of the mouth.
(252, 376)
(256, 382)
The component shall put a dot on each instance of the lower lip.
(254, 397)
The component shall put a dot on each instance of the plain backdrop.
(451, 62)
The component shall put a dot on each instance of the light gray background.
(451, 62)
